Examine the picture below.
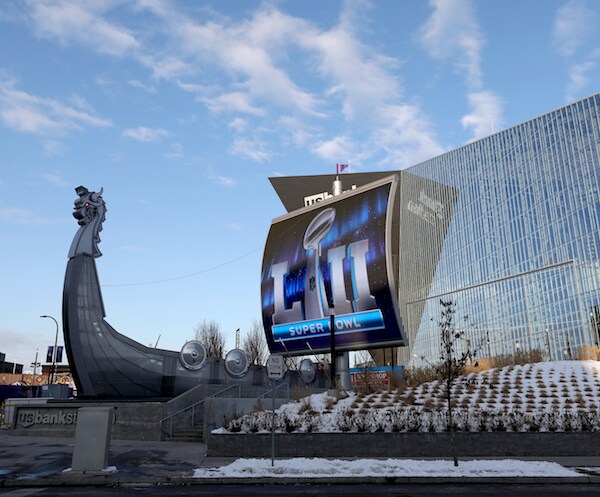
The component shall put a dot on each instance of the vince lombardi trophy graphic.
(315, 300)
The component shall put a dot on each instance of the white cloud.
(145, 135)
(169, 67)
(56, 179)
(238, 125)
(232, 102)
(141, 86)
(247, 51)
(115, 156)
(573, 25)
(226, 181)
(266, 63)
(14, 215)
(23, 345)
(408, 138)
(251, 148)
(301, 134)
(341, 58)
(53, 147)
(176, 152)
(486, 114)
(73, 21)
(235, 226)
(579, 78)
(338, 149)
(374, 100)
(452, 33)
(28, 113)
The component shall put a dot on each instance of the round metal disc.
(236, 363)
(192, 355)
(318, 228)
(308, 370)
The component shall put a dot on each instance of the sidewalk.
(41, 461)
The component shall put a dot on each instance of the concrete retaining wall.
(485, 444)
(217, 411)
(133, 420)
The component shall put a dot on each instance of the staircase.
(189, 434)
(183, 418)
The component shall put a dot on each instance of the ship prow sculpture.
(107, 364)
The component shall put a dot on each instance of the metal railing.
(192, 408)
(274, 389)
(4, 415)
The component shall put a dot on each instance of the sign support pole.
(332, 345)
(275, 371)
(273, 423)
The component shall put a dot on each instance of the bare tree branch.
(211, 336)
(255, 343)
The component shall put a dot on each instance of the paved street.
(345, 490)
(34, 466)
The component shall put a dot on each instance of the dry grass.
(524, 386)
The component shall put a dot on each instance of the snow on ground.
(547, 396)
(533, 389)
(323, 468)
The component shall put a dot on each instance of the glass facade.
(507, 227)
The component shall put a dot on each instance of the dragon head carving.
(90, 212)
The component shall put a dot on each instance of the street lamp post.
(53, 367)
(35, 365)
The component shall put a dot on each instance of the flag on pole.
(340, 167)
(49, 354)
(59, 353)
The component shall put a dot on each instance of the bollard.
(92, 439)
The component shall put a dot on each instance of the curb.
(108, 481)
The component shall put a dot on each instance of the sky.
(181, 111)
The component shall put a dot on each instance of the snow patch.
(320, 468)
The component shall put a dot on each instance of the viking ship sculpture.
(107, 364)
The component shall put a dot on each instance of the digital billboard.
(334, 254)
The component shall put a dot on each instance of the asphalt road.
(357, 490)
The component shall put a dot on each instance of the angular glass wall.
(509, 228)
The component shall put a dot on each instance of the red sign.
(373, 379)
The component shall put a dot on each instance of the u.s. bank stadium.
(507, 227)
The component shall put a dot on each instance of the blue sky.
(182, 110)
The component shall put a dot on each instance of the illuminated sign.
(334, 254)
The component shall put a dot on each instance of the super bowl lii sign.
(332, 256)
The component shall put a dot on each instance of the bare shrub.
(418, 376)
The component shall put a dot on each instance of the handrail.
(192, 407)
(274, 389)
(199, 402)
